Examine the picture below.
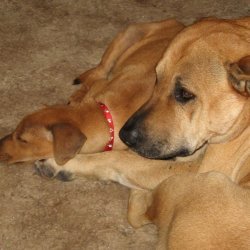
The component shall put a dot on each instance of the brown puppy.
(123, 81)
(193, 212)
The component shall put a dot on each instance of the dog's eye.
(181, 94)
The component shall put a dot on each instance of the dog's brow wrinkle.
(178, 79)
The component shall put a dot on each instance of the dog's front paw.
(43, 169)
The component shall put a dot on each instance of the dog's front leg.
(124, 167)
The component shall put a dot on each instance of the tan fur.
(193, 212)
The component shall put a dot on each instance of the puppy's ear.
(239, 75)
(67, 141)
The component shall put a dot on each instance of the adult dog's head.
(201, 95)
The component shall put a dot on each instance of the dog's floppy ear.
(239, 75)
(67, 141)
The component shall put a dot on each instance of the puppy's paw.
(49, 169)
(43, 169)
(87, 79)
(90, 76)
(64, 175)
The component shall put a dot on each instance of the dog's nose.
(129, 136)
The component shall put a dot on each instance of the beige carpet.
(43, 46)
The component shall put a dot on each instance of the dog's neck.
(242, 123)
(229, 157)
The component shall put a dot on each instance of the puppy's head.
(50, 132)
(201, 93)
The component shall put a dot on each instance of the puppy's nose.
(5, 157)
(128, 136)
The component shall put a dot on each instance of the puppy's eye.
(181, 94)
(21, 139)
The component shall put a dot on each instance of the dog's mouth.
(155, 153)
(152, 154)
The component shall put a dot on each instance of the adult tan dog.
(203, 93)
(203, 211)
(203, 73)
(201, 99)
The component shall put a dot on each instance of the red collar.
(108, 116)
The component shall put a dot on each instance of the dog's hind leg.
(124, 40)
